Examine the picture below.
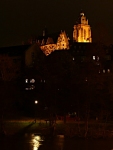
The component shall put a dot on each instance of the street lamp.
(36, 102)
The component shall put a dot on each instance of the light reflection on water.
(60, 141)
(36, 141)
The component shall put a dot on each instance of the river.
(37, 142)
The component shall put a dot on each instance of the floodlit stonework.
(48, 43)
(82, 31)
(48, 49)
(62, 42)
(50, 46)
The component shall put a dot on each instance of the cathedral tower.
(82, 31)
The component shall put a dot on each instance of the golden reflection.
(36, 141)
(60, 141)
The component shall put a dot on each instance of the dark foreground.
(35, 142)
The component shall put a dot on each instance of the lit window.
(97, 58)
(44, 81)
(99, 71)
(75, 113)
(32, 81)
(97, 63)
(32, 87)
(26, 88)
(103, 70)
(108, 70)
(93, 57)
(26, 80)
(73, 58)
(86, 79)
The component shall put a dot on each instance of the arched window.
(81, 32)
(89, 34)
(84, 34)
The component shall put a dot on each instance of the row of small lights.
(33, 81)
(108, 70)
(94, 58)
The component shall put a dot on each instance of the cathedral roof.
(54, 36)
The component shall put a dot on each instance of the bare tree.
(9, 71)
(8, 68)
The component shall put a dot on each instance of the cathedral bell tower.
(82, 31)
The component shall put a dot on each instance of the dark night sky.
(20, 19)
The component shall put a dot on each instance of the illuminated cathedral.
(81, 34)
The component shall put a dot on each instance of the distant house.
(12, 61)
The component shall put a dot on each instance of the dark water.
(36, 142)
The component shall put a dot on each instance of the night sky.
(20, 19)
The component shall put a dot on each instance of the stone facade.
(49, 46)
(62, 42)
(82, 31)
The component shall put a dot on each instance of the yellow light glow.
(36, 142)
(108, 70)
(82, 31)
(82, 14)
(36, 102)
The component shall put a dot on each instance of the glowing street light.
(36, 102)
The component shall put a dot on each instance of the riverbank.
(93, 129)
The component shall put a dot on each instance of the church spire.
(45, 31)
(81, 13)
